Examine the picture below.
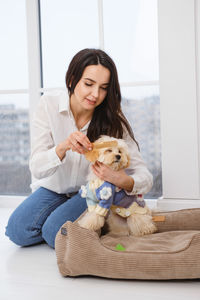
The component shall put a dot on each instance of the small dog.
(124, 214)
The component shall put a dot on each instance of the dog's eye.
(120, 151)
(108, 150)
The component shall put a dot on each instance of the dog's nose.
(118, 157)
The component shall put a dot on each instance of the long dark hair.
(108, 118)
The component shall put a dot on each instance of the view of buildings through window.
(140, 104)
(15, 176)
(144, 117)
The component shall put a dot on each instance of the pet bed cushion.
(169, 254)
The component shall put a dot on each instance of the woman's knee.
(24, 225)
(68, 211)
(20, 231)
(49, 233)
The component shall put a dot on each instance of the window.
(67, 27)
(13, 59)
(141, 106)
(15, 177)
(133, 44)
(130, 36)
(59, 29)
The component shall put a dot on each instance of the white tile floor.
(32, 273)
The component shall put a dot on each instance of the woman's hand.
(76, 141)
(118, 178)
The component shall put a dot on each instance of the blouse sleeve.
(143, 179)
(43, 160)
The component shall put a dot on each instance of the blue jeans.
(39, 217)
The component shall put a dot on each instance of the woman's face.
(91, 89)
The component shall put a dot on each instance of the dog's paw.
(140, 225)
(92, 221)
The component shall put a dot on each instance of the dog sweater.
(108, 196)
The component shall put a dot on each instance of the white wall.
(179, 27)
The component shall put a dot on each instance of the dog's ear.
(92, 155)
(128, 162)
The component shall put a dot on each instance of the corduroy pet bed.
(172, 253)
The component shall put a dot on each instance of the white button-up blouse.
(53, 122)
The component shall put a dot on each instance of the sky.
(130, 38)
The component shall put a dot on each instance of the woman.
(64, 126)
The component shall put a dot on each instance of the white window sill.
(14, 201)
(10, 201)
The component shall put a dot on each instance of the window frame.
(33, 15)
(34, 56)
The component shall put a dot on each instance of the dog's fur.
(114, 153)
